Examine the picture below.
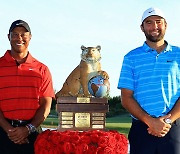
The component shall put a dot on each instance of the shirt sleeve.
(126, 79)
(46, 89)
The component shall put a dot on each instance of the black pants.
(9, 147)
(143, 143)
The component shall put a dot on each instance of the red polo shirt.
(22, 85)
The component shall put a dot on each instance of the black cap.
(19, 23)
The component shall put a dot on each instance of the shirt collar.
(147, 48)
(9, 58)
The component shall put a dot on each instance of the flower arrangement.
(86, 142)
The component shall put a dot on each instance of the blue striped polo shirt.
(153, 77)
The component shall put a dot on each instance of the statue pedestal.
(81, 113)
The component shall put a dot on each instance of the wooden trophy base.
(81, 113)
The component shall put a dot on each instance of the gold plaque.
(97, 118)
(82, 120)
(98, 126)
(67, 118)
(66, 126)
(98, 114)
(67, 122)
(83, 100)
(97, 122)
(67, 114)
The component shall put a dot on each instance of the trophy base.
(76, 113)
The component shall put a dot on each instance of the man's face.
(154, 28)
(19, 39)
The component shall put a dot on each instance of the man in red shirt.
(26, 93)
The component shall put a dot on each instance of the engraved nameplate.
(83, 100)
(67, 122)
(98, 122)
(67, 118)
(82, 120)
(98, 126)
(70, 114)
(97, 118)
(66, 126)
(98, 114)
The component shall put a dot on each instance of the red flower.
(68, 147)
(75, 142)
(103, 141)
(105, 150)
(81, 148)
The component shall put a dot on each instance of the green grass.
(121, 123)
(51, 122)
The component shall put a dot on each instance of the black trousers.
(143, 143)
(9, 147)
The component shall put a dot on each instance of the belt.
(18, 123)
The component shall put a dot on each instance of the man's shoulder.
(40, 65)
(175, 48)
(5, 56)
(174, 51)
(37, 62)
(135, 52)
(3, 59)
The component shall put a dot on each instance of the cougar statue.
(76, 83)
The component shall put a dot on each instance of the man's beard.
(154, 38)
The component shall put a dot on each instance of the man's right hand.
(18, 135)
(158, 127)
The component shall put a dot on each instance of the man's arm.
(175, 112)
(19, 134)
(43, 111)
(9, 129)
(157, 126)
(4, 123)
(131, 105)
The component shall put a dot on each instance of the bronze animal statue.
(76, 83)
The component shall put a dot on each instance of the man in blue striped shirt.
(150, 90)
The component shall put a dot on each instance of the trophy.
(82, 101)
